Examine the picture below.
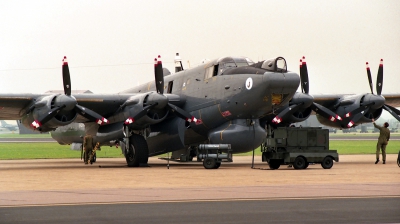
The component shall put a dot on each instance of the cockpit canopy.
(244, 65)
(275, 65)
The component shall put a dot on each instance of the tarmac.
(52, 183)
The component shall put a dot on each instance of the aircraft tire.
(209, 163)
(274, 164)
(138, 152)
(327, 162)
(299, 163)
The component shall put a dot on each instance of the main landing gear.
(136, 151)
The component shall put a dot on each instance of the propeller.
(375, 101)
(66, 103)
(304, 75)
(305, 100)
(159, 76)
(159, 83)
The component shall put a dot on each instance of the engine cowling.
(44, 106)
(347, 105)
(152, 104)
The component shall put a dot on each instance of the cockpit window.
(281, 63)
(241, 64)
(233, 62)
(249, 61)
(276, 65)
(229, 65)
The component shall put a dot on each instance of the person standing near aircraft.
(88, 145)
(384, 136)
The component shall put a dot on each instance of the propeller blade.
(52, 113)
(350, 116)
(393, 111)
(287, 111)
(66, 77)
(304, 75)
(357, 117)
(325, 112)
(369, 78)
(131, 120)
(159, 76)
(379, 79)
(91, 115)
(181, 113)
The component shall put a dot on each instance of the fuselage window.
(209, 72)
(215, 73)
(170, 84)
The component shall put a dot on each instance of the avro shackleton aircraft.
(230, 100)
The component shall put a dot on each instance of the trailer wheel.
(217, 165)
(274, 164)
(299, 163)
(305, 167)
(327, 162)
(209, 163)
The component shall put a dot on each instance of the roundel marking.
(249, 83)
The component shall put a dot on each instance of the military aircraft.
(226, 101)
(11, 127)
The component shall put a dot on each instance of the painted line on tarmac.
(200, 200)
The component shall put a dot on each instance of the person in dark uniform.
(384, 136)
(88, 145)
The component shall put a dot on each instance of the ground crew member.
(88, 145)
(384, 135)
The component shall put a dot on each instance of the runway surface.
(338, 210)
(52, 191)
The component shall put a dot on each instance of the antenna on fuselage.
(178, 63)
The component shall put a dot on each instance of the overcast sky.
(111, 45)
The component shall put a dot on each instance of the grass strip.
(55, 151)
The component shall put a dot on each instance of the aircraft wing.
(392, 99)
(84, 107)
(12, 105)
(328, 100)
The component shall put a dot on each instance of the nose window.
(281, 64)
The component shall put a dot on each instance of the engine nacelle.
(136, 104)
(348, 104)
(42, 108)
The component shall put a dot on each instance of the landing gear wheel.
(327, 162)
(299, 163)
(274, 164)
(138, 152)
(209, 163)
(217, 165)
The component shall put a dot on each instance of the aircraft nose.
(282, 83)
